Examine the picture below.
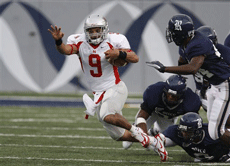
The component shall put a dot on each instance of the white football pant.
(112, 103)
(218, 109)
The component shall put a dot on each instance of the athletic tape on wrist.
(140, 120)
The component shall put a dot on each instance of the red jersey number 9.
(95, 61)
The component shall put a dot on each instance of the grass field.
(61, 136)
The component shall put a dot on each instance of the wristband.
(58, 42)
(140, 120)
(162, 69)
(122, 55)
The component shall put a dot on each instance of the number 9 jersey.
(100, 74)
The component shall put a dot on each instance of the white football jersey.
(100, 74)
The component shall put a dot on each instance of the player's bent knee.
(115, 132)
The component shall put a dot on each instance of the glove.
(91, 107)
(157, 65)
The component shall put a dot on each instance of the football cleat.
(225, 158)
(159, 147)
(141, 136)
(126, 144)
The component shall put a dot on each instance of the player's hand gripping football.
(111, 54)
(157, 65)
(56, 32)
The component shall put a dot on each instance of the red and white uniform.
(110, 93)
(100, 74)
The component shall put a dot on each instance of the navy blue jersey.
(153, 101)
(207, 150)
(214, 69)
(225, 54)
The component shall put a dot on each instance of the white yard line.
(67, 147)
(55, 120)
(99, 148)
(52, 128)
(108, 161)
(48, 111)
(214, 163)
(78, 147)
(54, 136)
(70, 159)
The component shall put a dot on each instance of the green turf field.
(61, 136)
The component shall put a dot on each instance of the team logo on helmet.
(178, 25)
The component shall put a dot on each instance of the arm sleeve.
(197, 50)
(122, 42)
(191, 106)
(147, 104)
(144, 106)
(70, 39)
(172, 134)
(169, 142)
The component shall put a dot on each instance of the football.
(119, 62)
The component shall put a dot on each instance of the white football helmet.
(94, 21)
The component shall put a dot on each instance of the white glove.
(91, 107)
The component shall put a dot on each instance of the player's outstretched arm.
(57, 34)
(186, 69)
(141, 118)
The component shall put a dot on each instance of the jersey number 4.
(95, 61)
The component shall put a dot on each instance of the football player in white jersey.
(100, 52)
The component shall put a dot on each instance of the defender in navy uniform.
(163, 102)
(192, 135)
(201, 57)
(225, 55)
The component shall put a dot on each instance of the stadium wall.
(30, 62)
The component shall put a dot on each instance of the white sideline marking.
(78, 147)
(34, 111)
(75, 120)
(105, 161)
(52, 128)
(42, 120)
(214, 163)
(70, 159)
(73, 147)
(54, 120)
(54, 136)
